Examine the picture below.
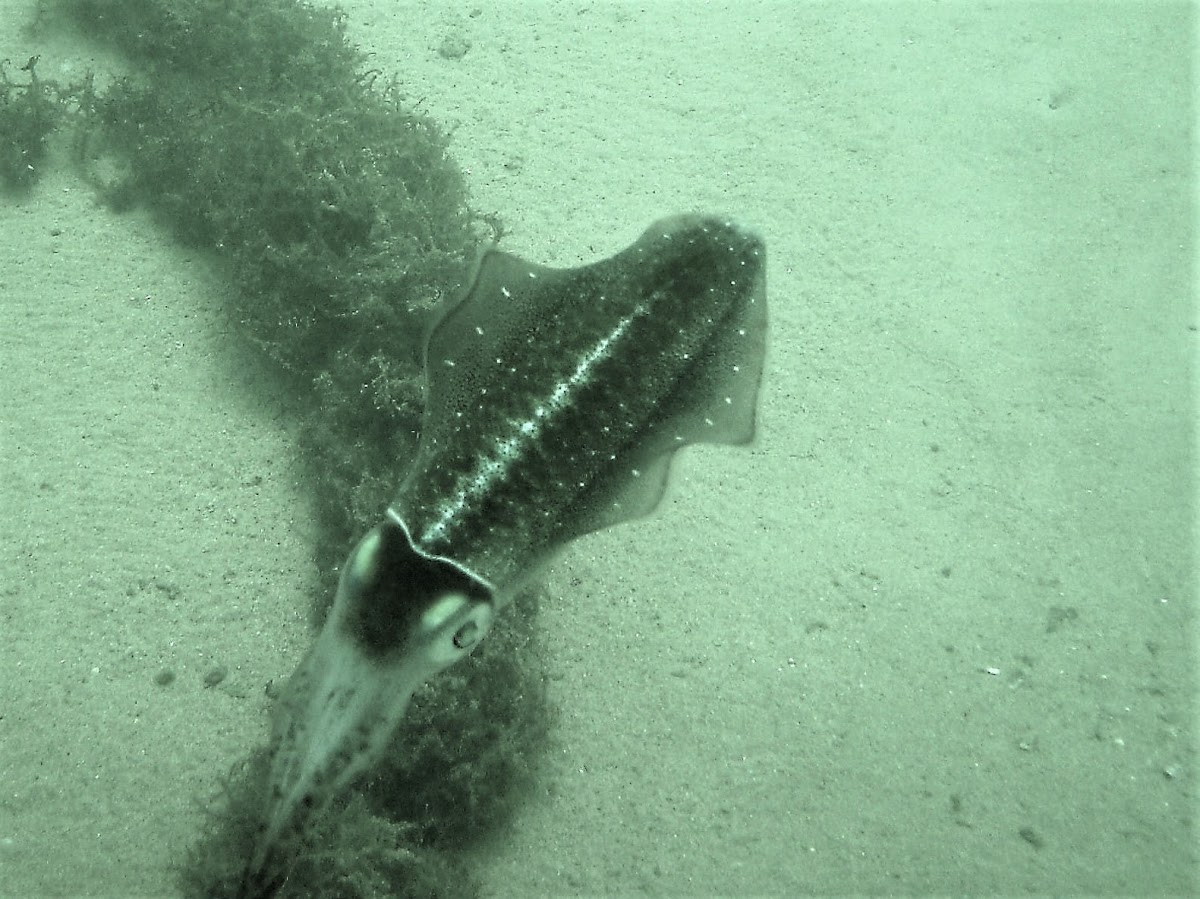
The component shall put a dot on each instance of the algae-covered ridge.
(255, 131)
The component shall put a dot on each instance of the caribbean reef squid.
(554, 403)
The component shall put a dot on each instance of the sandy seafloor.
(933, 633)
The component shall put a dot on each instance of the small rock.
(454, 46)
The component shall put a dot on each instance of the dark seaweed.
(255, 131)
(30, 110)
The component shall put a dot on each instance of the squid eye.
(468, 635)
(452, 626)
